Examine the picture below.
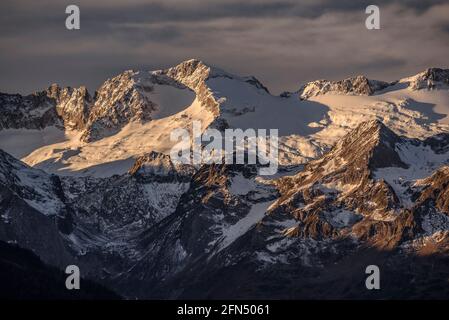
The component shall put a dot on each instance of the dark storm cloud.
(43, 13)
(284, 42)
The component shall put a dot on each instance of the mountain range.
(363, 179)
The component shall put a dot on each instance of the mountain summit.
(133, 113)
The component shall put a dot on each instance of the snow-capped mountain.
(363, 179)
(359, 85)
(133, 114)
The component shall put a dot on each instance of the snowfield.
(307, 128)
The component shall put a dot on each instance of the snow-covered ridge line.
(431, 78)
(133, 114)
(124, 97)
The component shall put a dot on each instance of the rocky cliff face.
(432, 78)
(158, 167)
(118, 101)
(128, 97)
(359, 85)
(32, 207)
(72, 105)
(193, 73)
(343, 178)
(56, 106)
(429, 79)
(434, 191)
(35, 111)
(345, 192)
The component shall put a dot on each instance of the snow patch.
(422, 162)
(235, 231)
(241, 185)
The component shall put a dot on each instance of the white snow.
(241, 186)
(306, 128)
(38, 191)
(415, 114)
(115, 154)
(170, 100)
(164, 197)
(233, 232)
(422, 161)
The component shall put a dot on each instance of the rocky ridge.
(225, 220)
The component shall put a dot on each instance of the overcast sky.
(284, 43)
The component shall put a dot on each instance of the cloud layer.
(282, 42)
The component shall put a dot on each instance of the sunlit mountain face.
(89, 179)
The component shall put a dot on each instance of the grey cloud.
(101, 12)
(283, 42)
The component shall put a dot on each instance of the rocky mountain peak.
(343, 179)
(194, 71)
(358, 85)
(38, 189)
(118, 101)
(73, 105)
(437, 74)
(155, 165)
(191, 73)
(431, 78)
(435, 190)
(34, 111)
(368, 147)
(56, 106)
(64, 95)
(129, 96)
(372, 143)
